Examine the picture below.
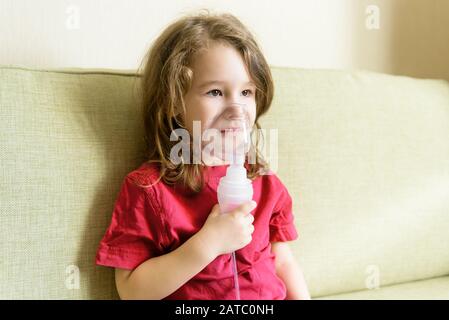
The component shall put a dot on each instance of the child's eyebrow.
(211, 82)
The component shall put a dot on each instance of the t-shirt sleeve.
(282, 221)
(135, 233)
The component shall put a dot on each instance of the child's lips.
(231, 129)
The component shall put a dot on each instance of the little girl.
(167, 238)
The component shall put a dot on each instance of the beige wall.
(412, 38)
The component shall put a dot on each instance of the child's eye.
(214, 92)
(248, 92)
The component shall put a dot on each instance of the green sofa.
(364, 155)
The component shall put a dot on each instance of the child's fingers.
(250, 217)
(216, 209)
(245, 208)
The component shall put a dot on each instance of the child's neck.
(213, 161)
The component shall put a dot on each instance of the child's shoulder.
(271, 178)
(145, 175)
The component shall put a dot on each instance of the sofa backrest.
(67, 140)
(365, 157)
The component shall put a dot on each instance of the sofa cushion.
(434, 289)
(67, 140)
(365, 157)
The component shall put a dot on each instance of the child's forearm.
(293, 277)
(158, 277)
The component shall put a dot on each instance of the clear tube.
(236, 276)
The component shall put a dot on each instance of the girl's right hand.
(228, 232)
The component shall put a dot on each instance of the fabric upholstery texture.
(364, 155)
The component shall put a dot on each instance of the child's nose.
(235, 111)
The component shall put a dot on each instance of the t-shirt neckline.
(216, 171)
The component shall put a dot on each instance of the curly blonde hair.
(166, 77)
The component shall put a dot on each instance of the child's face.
(220, 105)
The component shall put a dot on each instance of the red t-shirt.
(149, 222)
